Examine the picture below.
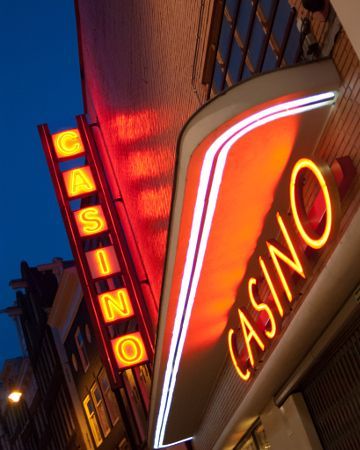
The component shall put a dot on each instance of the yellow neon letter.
(129, 350)
(278, 252)
(327, 184)
(90, 220)
(245, 376)
(271, 286)
(116, 305)
(249, 334)
(102, 262)
(252, 285)
(68, 143)
(79, 181)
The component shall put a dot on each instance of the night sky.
(39, 83)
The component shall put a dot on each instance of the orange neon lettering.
(79, 181)
(102, 262)
(278, 252)
(68, 143)
(129, 350)
(245, 376)
(115, 305)
(249, 334)
(90, 220)
(327, 183)
(271, 287)
(258, 306)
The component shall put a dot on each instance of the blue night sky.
(39, 82)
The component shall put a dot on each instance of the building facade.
(66, 400)
(147, 68)
(44, 416)
(96, 406)
(16, 421)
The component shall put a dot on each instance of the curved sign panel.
(235, 157)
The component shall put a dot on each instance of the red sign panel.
(99, 248)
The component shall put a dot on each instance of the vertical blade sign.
(109, 283)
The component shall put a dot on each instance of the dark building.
(66, 401)
(18, 398)
(48, 421)
(95, 403)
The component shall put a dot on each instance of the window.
(253, 37)
(74, 362)
(109, 397)
(91, 417)
(100, 409)
(80, 344)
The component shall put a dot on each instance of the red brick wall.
(138, 61)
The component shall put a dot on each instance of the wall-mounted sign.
(109, 282)
(236, 156)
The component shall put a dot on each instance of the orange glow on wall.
(68, 144)
(102, 262)
(90, 220)
(115, 305)
(79, 181)
(325, 180)
(278, 252)
(249, 334)
(245, 376)
(129, 350)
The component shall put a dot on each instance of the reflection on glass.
(260, 436)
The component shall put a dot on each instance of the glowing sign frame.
(105, 212)
(212, 170)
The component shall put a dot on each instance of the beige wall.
(290, 426)
(348, 12)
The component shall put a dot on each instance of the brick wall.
(138, 62)
(342, 134)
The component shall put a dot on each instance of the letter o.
(329, 189)
(129, 350)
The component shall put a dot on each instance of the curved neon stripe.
(216, 155)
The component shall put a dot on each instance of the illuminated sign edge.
(184, 306)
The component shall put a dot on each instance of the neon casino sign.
(99, 249)
(236, 157)
(306, 234)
